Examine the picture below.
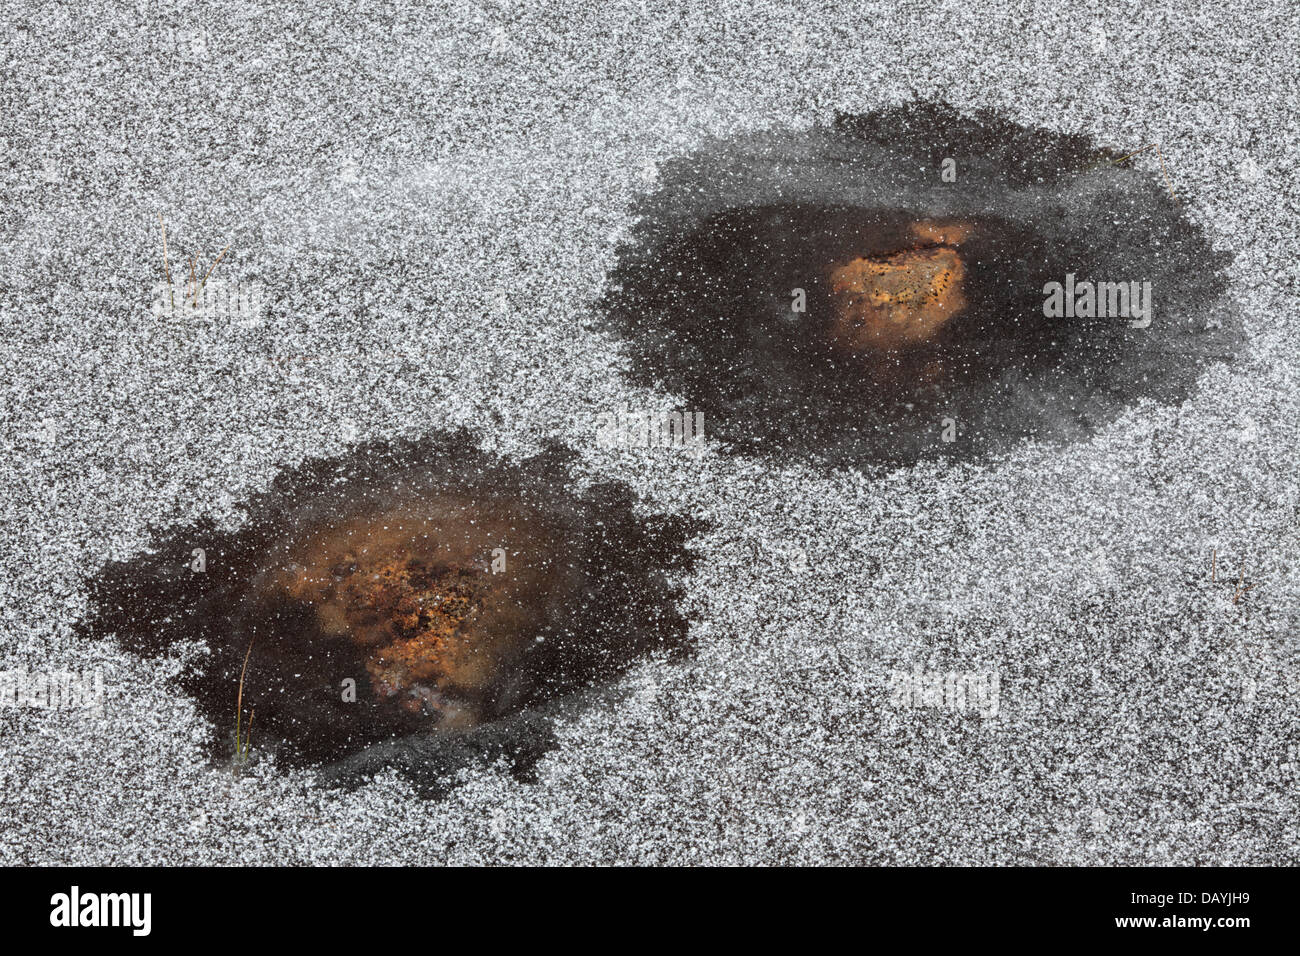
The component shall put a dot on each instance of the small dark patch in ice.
(465, 596)
(704, 290)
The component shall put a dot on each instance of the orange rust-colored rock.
(413, 588)
(885, 302)
(900, 298)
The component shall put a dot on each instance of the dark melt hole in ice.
(924, 298)
(469, 600)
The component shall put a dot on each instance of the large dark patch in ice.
(417, 605)
(704, 290)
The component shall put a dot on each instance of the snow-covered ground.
(422, 206)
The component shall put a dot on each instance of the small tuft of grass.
(167, 268)
(243, 736)
(194, 286)
(1241, 586)
(1241, 578)
(199, 291)
(1102, 164)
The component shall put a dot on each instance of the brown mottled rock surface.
(900, 298)
(414, 588)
